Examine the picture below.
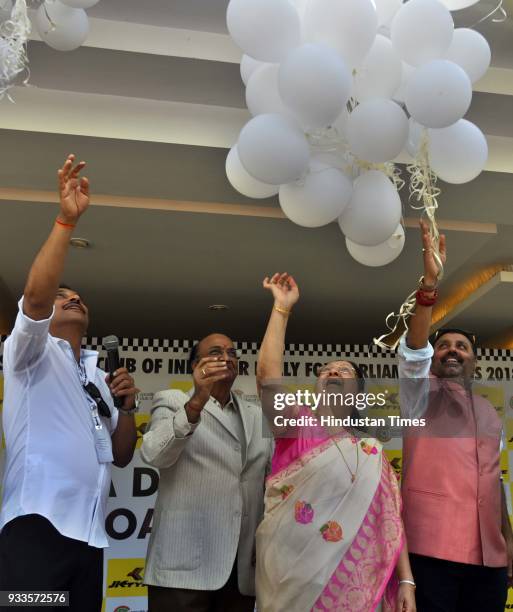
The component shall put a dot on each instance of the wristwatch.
(131, 411)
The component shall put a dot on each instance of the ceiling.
(153, 100)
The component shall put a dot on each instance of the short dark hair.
(63, 286)
(193, 354)
(470, 336)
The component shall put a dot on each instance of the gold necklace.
(353, 474)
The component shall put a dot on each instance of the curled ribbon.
(425, 192)
(14, 33)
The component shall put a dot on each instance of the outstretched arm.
(270, 358)
(46, 271)
(420, 323)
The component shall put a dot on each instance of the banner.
(162, 364)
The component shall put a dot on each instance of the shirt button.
(236, 447)
(480, 444)
(480, 501)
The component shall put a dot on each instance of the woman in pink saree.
(332, 536)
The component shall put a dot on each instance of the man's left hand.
(123, 385)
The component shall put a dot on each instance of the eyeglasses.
(94, 392)
(345, 371)
(219, 352)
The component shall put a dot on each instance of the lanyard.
(82, 375)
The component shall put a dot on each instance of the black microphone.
(111, 345)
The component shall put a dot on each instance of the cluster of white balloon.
(337, 90)
(63, 24)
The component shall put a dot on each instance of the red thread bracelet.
(64, 224)
(425, 300)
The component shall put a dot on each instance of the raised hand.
(73, 191)
(428, 248)
(284, 289)
(205, 374)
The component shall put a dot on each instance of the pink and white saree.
(327, 543)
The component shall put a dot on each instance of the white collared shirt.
(229, 414)
(51, 464)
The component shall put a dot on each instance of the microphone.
(111, 345)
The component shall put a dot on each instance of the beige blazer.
(209, 501)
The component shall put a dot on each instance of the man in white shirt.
(454, 507)
(62, 430)
(212, 456)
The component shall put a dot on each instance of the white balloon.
(300, 6)
(414, 137)
(319, 198)
(381, 254)
(243, 182)
(264, 29)
(421, 31)
(458, 153)
(69, 27)
(456, 5)
(471, 51)
(406, 73)
(348, 26)
(386, 10)
(83, 4)
(273, 149)
(438, 94)
(379, 75)
(262, 95)
(315, 84)
(377, 130)
(248, 65)
(374, 211)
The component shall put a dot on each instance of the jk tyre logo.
(125, 578)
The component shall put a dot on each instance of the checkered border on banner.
(246, 348)
(348, 351)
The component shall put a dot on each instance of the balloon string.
(423, 189)
(53, 27)
(330, 140)
(498, 9)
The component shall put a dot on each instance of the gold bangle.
(282, 310)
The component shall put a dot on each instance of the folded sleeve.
(414, 383)
(27, 342)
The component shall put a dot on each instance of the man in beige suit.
(212, 457)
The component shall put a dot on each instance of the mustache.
(72, 304)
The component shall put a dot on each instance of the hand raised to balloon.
(430, 262)
(73, 191)
(284, 289)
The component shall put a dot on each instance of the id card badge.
(102, 441)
